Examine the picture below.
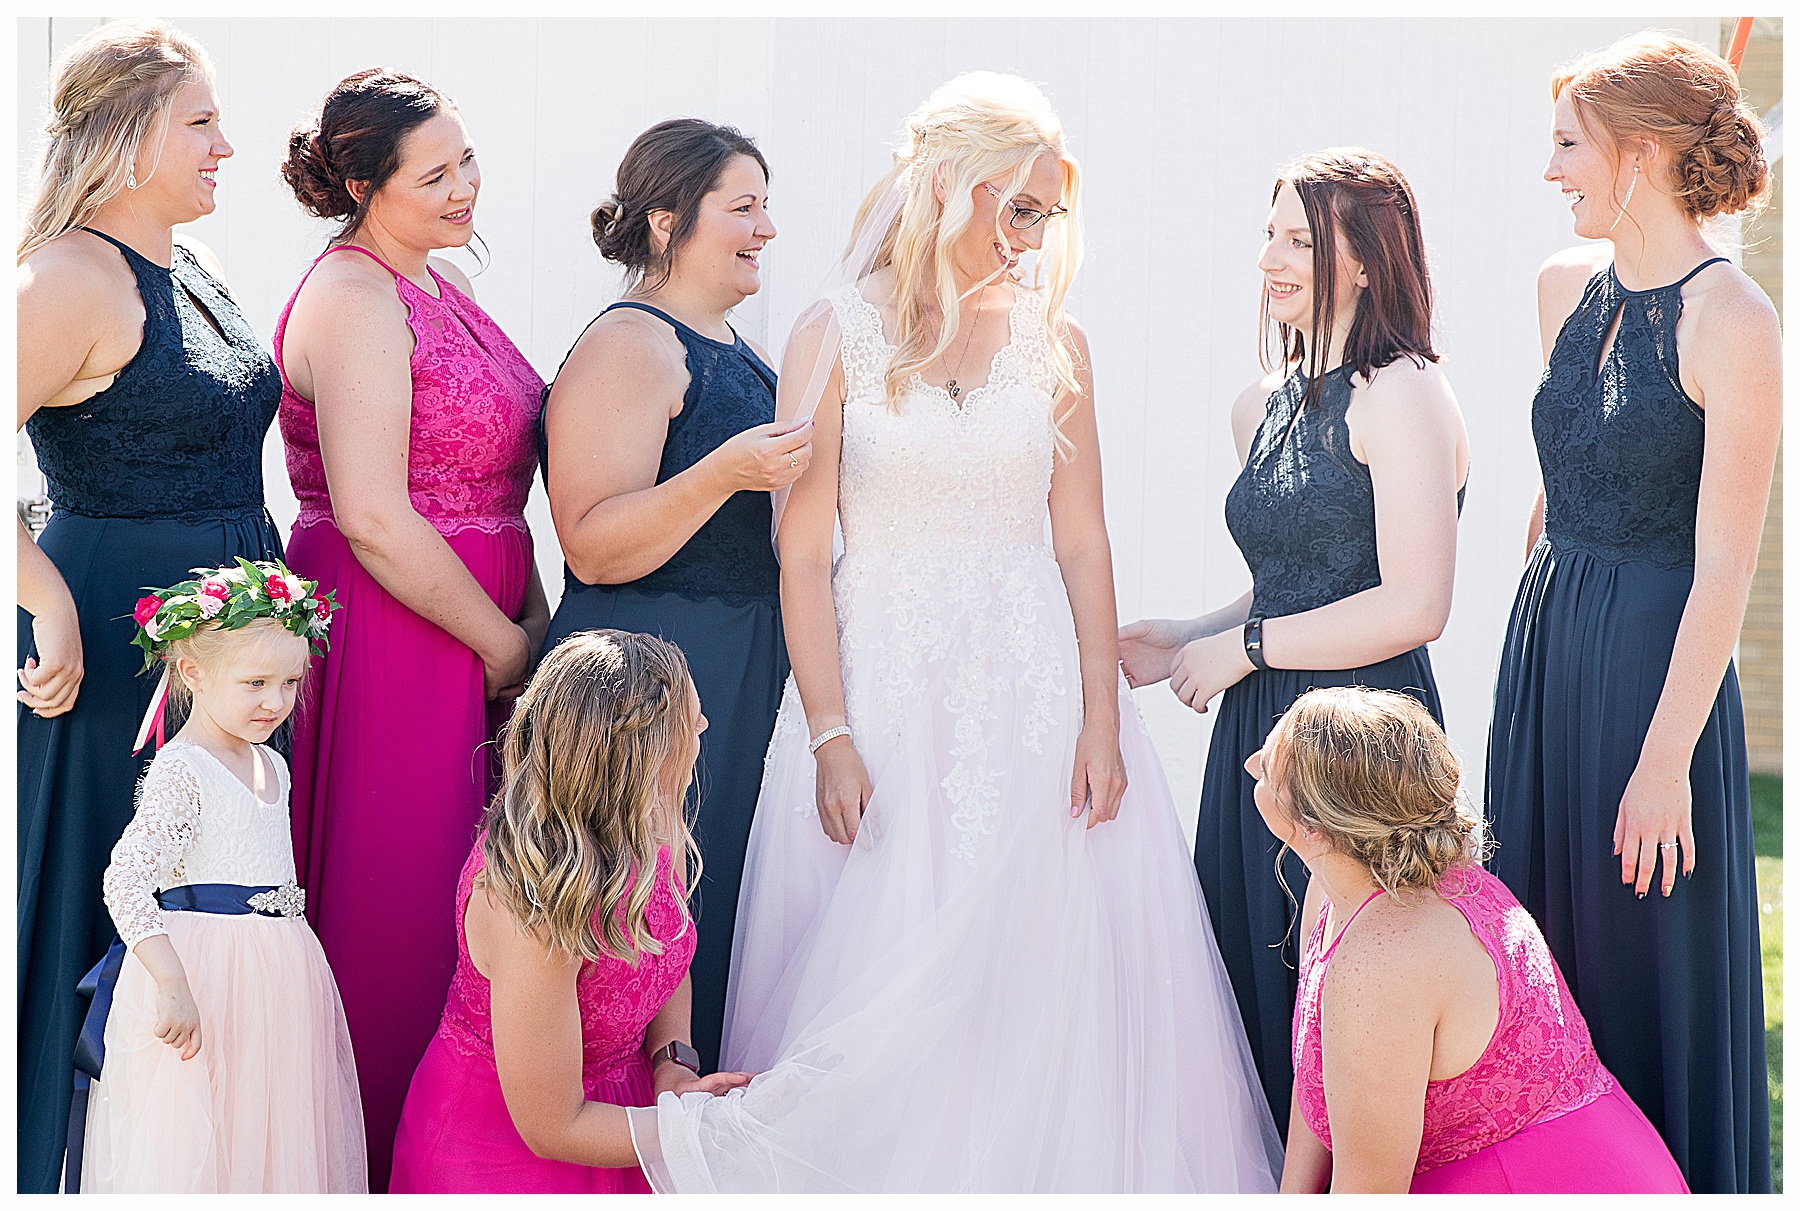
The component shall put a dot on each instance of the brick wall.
(1759, 645)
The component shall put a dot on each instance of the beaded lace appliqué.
(944, 508)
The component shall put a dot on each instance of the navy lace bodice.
(730, 389)
(1619, 441)
(179, 431)
(1303, 509)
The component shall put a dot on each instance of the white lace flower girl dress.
(981, 993)
(270, 1102)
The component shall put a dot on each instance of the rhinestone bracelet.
(828, 734)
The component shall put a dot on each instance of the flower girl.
(224, 1064)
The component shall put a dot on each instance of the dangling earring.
(131, 179)
(1629, 190)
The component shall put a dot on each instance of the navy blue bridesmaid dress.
(158, 474)
(1302, 511)
(718, 600)
(1671, 988)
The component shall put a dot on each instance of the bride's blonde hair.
(597, 759)
(108, 92)
(981, 126)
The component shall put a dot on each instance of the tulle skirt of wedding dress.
(981, 993)
(268, 1105)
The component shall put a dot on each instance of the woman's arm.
(1411, 437)
(1307, 1167)
(348, 343)
(1376, 1034)
(808, 614)
(672, 1024)
(537, 1042)
(605, 424)
(1149, 646)
(1084, 554)
(1735, 358)
(71, 343)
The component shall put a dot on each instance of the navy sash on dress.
(225, 899)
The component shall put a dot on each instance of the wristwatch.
(681, 1053)
(1253, 641)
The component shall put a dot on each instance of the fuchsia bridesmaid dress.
(456, 1136)
(389, 774)
(1538, 1113)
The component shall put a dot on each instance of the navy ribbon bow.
(226, 899)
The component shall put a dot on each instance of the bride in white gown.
(971, 952)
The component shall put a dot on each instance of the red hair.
(1652, 85)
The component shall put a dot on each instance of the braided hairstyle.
(1653, 85)
(356, 136)
(597, 759)
(108, 91)
(1372, 772)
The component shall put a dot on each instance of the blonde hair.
(1653, 85)
(1372, 772)
(210, 646)
(587, 795)
(108, 92)
(979, 126)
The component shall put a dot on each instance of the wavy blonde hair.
(597, 759)
(108, 92)
(981, 126)
(1372, 772)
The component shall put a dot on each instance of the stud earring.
(1629, 190)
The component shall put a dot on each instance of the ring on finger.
(1669, 845)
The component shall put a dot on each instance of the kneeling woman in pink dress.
(571, 994)
(1436, 1047)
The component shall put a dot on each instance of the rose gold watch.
(681, 1053)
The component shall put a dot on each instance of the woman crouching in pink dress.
(571, 994)
(1436, 1048)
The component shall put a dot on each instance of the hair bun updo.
(1727, 170)
(356, 137)
(605, 221)
(320, 192)
(1679, 93)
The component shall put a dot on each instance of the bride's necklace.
(951, 387)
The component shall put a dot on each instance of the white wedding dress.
(981, 993)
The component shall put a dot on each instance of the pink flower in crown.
(280, 596)
(210, 606)
(212, 586)
(296, 587)
(151, 629)
(146, 610)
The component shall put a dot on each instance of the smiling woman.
(659, 454)
(146, 395)
(407, 416)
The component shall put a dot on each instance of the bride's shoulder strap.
(863, 349)
(1033, 337)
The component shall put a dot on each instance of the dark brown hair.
(1366, 198)
(671, 166)
(356, 137)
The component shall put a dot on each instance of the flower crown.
(233, 598)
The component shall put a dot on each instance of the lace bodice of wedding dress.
(196, 823)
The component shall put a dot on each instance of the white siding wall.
(1179, 124)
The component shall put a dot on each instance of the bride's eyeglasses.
(1023, 217)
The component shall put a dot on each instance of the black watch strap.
(680, 1052)
(1253, 641)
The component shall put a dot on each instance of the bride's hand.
(1147, 649)
(1099, 782)
(844, 789)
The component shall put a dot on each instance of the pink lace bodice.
(475, 403)
(1539, 1064)
(617, 1000)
